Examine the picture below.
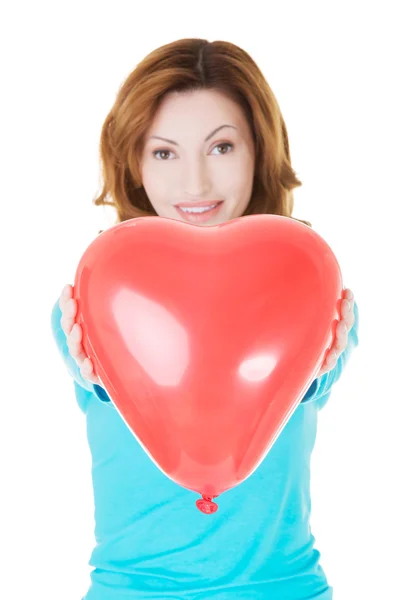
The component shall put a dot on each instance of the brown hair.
(186, 65)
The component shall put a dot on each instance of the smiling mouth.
(198, 213)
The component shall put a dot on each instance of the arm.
(322, 386)
(72, 367)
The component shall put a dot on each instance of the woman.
(196, 134)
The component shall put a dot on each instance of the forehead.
(205, 105)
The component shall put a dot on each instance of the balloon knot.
(206, 505)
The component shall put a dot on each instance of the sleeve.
(72, 367)
(321, 388)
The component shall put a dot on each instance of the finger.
(342, 336)
(66, 295)
(347, 312)
(345, 308)
(67, 324)
(70, 308)
(76, 351)
(330, 360)
(350, 320)
(74, 343)
(348, 294)
(68, 316)
(341, 332)
(87, 371)
(87, 367)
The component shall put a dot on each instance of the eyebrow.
(157, 137)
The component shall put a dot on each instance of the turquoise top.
(152, 542)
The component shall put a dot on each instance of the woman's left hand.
(342, 330)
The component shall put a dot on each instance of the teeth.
(197, 209)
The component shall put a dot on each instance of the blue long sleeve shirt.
(152, 542)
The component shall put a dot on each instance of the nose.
(196, 179)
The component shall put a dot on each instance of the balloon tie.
(206, 505)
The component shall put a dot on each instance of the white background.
(334, 71)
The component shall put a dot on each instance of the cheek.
(237, 175)
(155, 183)
(240, 187)
(159, 178)
(230, 177)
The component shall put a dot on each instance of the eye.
(223, 145)
(161, 151)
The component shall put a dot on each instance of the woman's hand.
(342, 329)
(73, 332)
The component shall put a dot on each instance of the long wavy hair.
(186, 65)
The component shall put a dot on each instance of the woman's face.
(198, 164)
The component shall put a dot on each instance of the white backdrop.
(334, 71)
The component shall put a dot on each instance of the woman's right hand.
(73, 332)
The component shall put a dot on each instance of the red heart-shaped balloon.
(207, 338)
